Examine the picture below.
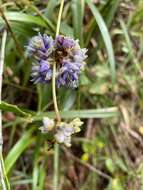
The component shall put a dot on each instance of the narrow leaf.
(13, 108)
(17, 150)
(22, 17)
(94, 113)
(78, 13)
(105, 35)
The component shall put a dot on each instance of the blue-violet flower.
(67, 54)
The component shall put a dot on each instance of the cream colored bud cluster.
(64, 131)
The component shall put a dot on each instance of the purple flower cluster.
(67, 54)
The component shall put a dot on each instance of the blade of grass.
(131, 55)
(111, 5)
(24, 142)
(94, 113)
(66, 29)
(89, 113)
(12, 108)
(108, 16)
(42, 175)
(78, 13)
(22, 17)
(50, 8)
(35, 177)
(106, 37)
(56, 167)
(3, 177)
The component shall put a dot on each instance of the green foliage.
(107, 154)
(106, 37)
(18, 148)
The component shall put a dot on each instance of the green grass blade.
(89, 113)
(22, 17)
(78, 13)
(50, 8)
(13, 108)
(106, 37)
(111, 5)
(94, 113)
(25, 141)
(127, 38)
(42, 176)
(35, 177)
(66, 30)
(108, 16)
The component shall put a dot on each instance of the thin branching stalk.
(2, 173)
(58, 117)
(87, 165)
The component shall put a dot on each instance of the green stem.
(39, 91)
(58, 117)
(56, 167)
(59, 17)
(3, 177)
(4, 171)
(57, 112)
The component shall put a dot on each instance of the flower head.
(67, 54)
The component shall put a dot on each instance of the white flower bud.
(48, 125)
(60, 137)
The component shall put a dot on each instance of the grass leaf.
(22, 17)
(89, 113)
(106, 37)
(13, 108)
(18, 148)
(92, 113)
(78, 13)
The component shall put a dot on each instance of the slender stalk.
(2, 178)
(39, 91)
(57, 112)
(56, 167)
(2, 174)
(1, 77)
(58, 117)
(2, 169)
(59, 17)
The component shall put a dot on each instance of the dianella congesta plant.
(60, 61)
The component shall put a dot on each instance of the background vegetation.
(108, 153)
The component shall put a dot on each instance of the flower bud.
(48, 125)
